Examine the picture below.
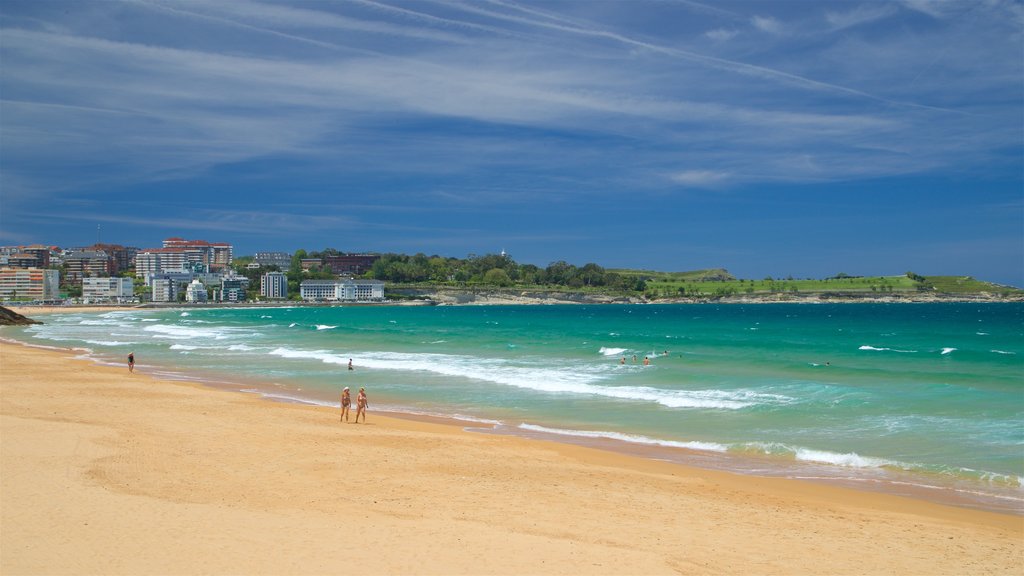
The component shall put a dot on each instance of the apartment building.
(83, 263)
(29, 284)
(123, 256)
(282, 260)
(274, 285)
(179, 254)
(108, 289)
(216, 256)
(196, 292)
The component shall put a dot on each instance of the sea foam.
(631, 438)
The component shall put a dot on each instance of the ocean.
(925, 400)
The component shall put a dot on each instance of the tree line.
(497, 270)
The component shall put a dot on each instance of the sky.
(800, 139)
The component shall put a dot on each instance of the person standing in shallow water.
(346, 401)
(131, 361)
(361, 405)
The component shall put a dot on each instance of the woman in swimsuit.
(346, 400)
(361, 405)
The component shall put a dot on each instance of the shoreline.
(113, 449)
(500, 297)
(926, 487)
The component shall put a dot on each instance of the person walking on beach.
(346, 401)
(131, 361)
(361, 405)
(350, 364)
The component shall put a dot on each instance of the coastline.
(501, 297)
(91, 454)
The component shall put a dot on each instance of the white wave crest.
(850, 460)
(174, 332)
(1003, 352)
(573, 379)
(325, 327)
(948, 351)
(612, 351)
(874, 349)
(632, 438)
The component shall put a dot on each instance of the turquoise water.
(925, 399)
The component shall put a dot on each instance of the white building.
(196, 292)
(345, 290)
(164, 290)
(274, 285)
(29, 284)
(109, 289)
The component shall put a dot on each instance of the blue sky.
(770, 138)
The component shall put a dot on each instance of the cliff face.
(12, 318)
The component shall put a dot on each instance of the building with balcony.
(196, 292)
(29, 284)
(83, 263)
(232, 290)
(158, 261)
(216, 256)
(123, 256)
(274, 285)
(108, 289)
(282, 260)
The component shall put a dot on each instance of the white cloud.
(721, 34)
(767, 24)
(861, 14)
(700, 178)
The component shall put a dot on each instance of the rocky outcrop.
(12, 318)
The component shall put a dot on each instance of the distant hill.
(719, 283)
(711, 275)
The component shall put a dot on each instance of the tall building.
(82, 263)
(42, 254)
(216, 256)
(164, 289)
(29, 284)
(123, 256)
(159, 261)
(233, 290)
(274, 285)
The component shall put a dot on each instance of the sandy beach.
(107, 472)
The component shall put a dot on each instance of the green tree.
(497, 277)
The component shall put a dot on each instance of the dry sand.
(106, 472)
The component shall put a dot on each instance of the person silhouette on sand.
(131, 361)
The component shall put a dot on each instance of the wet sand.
(106, 472)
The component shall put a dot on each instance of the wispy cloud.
(767, 24)
(721, 34)
(700, 178)
(860, 14)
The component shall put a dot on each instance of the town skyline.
(769, 138)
